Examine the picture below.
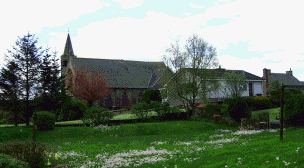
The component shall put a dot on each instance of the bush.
(2, 121)
(293, 109)
(238, 108)
(259, 103)
(22, 153)
(140, 109)
(45, 120)
(8, 161)
(212, 108)
(162, 109)
(151, 95)
(97, 116)
(78, 108)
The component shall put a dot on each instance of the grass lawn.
(273, 113)
(168, 144)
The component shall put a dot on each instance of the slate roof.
(124, 73)
(286, 79)
(219, 73)
(249, 76)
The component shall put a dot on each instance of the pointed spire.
(68, 50)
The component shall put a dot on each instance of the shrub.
(140, 109)
(259, 103)
(8, 161)
(238, 108)
(162, 109)
(45, 120)
(293, 109)
(212, 108)
(2, 121)
(151, 95)
(78, 108)
(23, 154)
(97, 116)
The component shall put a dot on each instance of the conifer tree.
(10, 82)
(27, 56)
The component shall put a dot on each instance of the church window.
(65, 63)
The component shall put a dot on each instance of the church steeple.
(67, 56)
(68, 50)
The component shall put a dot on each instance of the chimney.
(266, 73)
(289, 72)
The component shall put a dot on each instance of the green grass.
(273, 113)
(168, 144)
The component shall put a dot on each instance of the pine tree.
(27, 56)
(10, 82)
(51, 91)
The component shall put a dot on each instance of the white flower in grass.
(278, 158)
(226, 166)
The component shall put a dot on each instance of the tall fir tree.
(51, 95)
(27, 56)
(10, 82)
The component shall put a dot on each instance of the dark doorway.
(250, 90)
(125, 100)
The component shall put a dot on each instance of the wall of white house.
(257, 88)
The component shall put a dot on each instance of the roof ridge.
(119, 60)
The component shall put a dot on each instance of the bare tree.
(193, 78)
(88, 86)
(235, 84)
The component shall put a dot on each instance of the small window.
(65, 63)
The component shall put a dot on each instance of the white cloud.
(187, 14)
(193, 6)
(126, 4)
(34, 15)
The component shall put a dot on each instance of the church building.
(127, 79)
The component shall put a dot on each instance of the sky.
(249, 35)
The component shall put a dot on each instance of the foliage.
(97, 116)
(211, 108)
(275, 92)
(238, 108)
(78, 108)
(50, 96)
(235, 83)
(45, 120)
(293, 109)
(151, 95)
(8, 161)
(27, 56)
(261, 103)
(258, 103)
(140, 109)
(10, 83)
(162, 109)
(88, 86)
(192, 65)
(2, 121)
(23, 152)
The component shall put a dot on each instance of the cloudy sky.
(249, 34)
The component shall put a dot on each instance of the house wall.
(174, 100)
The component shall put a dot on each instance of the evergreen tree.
(10, 82)
(52, 89)
(27, 56)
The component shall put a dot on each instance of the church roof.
(68, 49)
(123, 73)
